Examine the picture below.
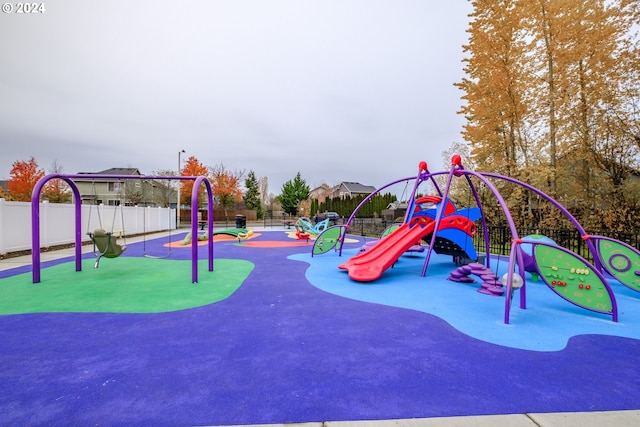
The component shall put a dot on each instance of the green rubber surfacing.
(128, 285)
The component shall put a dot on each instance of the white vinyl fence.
(57, 222)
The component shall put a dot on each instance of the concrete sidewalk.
(561, 419)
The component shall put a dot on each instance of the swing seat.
(106, 244)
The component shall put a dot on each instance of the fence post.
(45, 224)
(136, 216)
(3, 248)
(100, 214)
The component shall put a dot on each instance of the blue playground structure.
(447, 230)
(306, 227)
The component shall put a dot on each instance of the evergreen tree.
(252, 196)
(293, 192)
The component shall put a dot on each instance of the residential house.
(114, 191)
(320, 193)
(395, 210)
(351, 189)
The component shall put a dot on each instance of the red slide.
(368, 266)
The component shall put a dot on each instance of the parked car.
(332, 216)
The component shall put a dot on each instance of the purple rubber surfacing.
(279, 351)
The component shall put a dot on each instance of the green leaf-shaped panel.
(571, 277)
(329, 239)
(621, 261)
(390, 229)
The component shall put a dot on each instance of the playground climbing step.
(490, 282)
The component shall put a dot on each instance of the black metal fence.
(499, 235)
(368, 226)
(271, 221)
(500, 238)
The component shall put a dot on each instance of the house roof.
(115, 171)
(356, 187)
(111, 171)
(323, 187)
(397, 205)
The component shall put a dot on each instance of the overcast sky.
(340, 90)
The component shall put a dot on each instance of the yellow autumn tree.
(588, 63)
(551, 96)
(496, 87)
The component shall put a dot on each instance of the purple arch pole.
(35, 217)
(194, 226)
(439, 214)
(35, 223)
(515, 254)
(422, 176)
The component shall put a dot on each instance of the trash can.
(241, 221)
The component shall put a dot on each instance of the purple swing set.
(35, 217)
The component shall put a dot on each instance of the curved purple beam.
(562, 209)
(421, 177)
(495, 192)
(365, 200)
(35, 216)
